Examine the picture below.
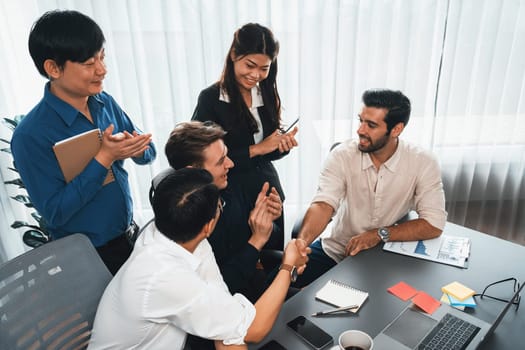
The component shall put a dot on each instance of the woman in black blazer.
(246, 103)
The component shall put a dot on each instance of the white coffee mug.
(355, 340)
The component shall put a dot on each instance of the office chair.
(49, 295)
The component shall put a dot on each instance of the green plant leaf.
(18, 224)
(35, 238)
(18, 182)
(38, 218)
(24, 199)
(11, 123)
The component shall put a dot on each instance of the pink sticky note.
(402, 290)
(426, 302)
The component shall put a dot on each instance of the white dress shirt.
(366, 198)
(257, 101)
(164, 292)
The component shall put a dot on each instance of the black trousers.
(115, 253)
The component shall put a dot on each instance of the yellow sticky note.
(458, 290)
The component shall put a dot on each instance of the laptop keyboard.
(451, 333)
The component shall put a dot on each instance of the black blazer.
(236, 258)
(249, 173)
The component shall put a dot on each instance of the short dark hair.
(184, 202)
(188, 140)
(397, 104)
(64, 36)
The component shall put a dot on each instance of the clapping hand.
(121, 146)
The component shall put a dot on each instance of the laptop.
(414, 329)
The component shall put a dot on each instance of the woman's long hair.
(252, 38)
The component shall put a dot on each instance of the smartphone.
(291, 126)
(272, 345)
(310, 333)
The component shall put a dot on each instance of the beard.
(373, 145)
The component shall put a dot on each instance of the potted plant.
(37, 234)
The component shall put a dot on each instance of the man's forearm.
(268, 307)
(413, 230)
(315, 220)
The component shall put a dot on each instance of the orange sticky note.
(426, 302)
(402, 290)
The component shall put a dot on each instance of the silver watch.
(383, 233)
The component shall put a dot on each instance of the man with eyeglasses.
(171, 284)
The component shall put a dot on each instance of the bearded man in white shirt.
(171, 285)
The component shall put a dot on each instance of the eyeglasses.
(515, 301)
(221, 204)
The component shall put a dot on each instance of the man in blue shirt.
(67, 48)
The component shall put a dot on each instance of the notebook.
(74, 154)
(412, 329)
(340, 294)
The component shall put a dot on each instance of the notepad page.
(339, 294)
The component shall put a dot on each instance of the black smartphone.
(291, 126)
(272, 345)
(310, 333)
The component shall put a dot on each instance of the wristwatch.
(291, 269)
(383, 233)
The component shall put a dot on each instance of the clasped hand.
(280, 141)
(297, 255)
(121, 146)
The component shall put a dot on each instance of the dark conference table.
(374, 270)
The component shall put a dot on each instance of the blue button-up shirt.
(83, 205)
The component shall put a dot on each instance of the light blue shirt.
(82, 205)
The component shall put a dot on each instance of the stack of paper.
(458, 295)
(446, 249)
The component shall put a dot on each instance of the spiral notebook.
(340, 294)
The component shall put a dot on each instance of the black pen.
(339, 309)
(291, 126)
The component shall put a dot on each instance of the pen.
(328, 312)
(291, 126)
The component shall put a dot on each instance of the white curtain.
(480, 124)
(460, 62)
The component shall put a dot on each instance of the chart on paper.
(445, 249)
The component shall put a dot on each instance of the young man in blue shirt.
(67, 48)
